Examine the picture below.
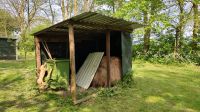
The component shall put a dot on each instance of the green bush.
(161, 51)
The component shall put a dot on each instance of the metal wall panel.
(126, 52)
(7, 48)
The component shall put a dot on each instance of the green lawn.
(157, 88)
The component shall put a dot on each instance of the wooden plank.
(72, 62)
(37, 53)
(108, 56)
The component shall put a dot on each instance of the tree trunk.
(147, 33)
(75, 8)
(67, 9)
(92, 6)
(179, 30)
(63, 9)
(21, 16)
(86, 6)
(52, 12)
(113, 6)
(147, 40)
(176, 42)
(195, 27)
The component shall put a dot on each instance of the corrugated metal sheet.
(87, 71)
(90, 21)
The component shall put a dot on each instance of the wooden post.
(37, 53)
(72, 62)
(108, 56)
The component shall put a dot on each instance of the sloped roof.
(92, 21)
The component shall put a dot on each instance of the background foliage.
(171, 32)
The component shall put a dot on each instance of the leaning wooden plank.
(87, 71)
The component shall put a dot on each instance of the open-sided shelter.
(88, 32)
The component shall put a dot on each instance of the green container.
(60, 73)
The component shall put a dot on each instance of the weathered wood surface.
(108, 56)
(72, 62)
(37, 53)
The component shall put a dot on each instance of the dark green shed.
(8, 48)
(90, 36)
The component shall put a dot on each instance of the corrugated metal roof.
(87, 71)
(90, 21)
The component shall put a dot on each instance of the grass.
(156, 88)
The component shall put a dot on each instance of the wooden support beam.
(108, 56)
(72, 62)
(37, 53)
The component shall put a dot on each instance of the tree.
(108, 6)
(64, 9)
(7, 23)
(75, 7)
(147, 12)
(52, 12)
(179, 27)
(196, 25)
(25, 12)
(85, 6)
(178, 12)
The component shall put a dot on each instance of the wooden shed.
(88, 32)
(8, 48)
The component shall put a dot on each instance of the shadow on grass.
(154, 90)
(40, 103)
(6, 82)
(13, 64)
